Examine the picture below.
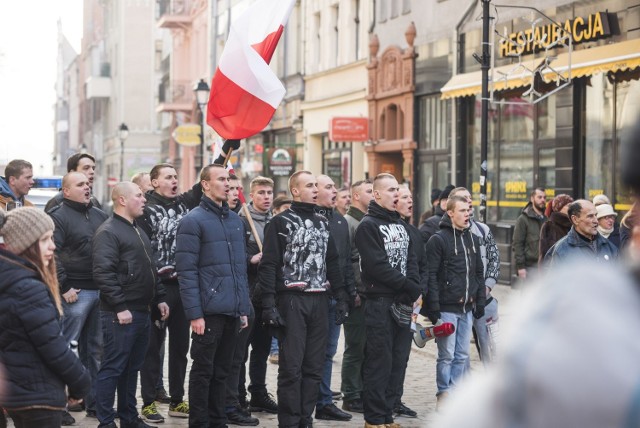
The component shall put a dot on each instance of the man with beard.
(76, 221)
(583, 239)
(327, 206)
(389, 272)
(343, 201)
(162, 215)
(526, 234)
(299, 317)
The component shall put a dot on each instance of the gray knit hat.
(21, 227)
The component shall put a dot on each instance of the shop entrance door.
(434, 173)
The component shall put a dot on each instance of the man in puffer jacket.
(212, 272)
(456, 289)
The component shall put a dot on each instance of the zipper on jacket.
(231, 265)
(150, 264)
(466, 263)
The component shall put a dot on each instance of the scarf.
(605, 232)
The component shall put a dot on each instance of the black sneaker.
(263, 402)
(162, 397)
(331, 413)
(76, 407)
(136, 423)
(353, 405)
(67, 419)
(244, 403)
(236, 417)
(109, 425)
(402, 410)
(91, 414)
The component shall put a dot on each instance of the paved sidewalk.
(419, 388)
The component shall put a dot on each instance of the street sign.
(187, 134)
(112, 181)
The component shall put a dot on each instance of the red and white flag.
(245, 92)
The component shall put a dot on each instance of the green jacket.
(353, 217)
(526, 237)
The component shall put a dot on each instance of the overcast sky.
(28, 49)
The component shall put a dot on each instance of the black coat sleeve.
(59, 238)
(334, 271)
(436, 255)
(481, 294)
(272, 253)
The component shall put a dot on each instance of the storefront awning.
(584, 62)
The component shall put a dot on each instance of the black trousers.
(178, 327)
(236, 379)
(260, 340)
(35, 418)
(386, 356)
(302, 355)
(212, 353)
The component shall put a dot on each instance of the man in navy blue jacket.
(212, 272)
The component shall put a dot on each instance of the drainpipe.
(372, 26)
(454, 110)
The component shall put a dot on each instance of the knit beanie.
(22, 227)
(447, 190)
(435, 195)
(560, 201)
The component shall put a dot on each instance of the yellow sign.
(187, 135)
(475, 187)
(595, 26)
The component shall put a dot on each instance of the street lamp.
(123, 133)
(201, 90)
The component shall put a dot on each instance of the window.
(336, 161)
(435, 123)
(356, 20)
(382, 10)
(335, 11)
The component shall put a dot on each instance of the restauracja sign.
(595, 26)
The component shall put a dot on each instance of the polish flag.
(245, 92)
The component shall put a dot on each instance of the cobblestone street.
(419, 387)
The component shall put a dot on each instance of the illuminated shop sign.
(594, 27)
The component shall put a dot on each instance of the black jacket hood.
(376, 210)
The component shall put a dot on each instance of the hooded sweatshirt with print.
(456, 274)
(388, 263)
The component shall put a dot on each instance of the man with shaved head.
(583, 239)
(299, 262)
(389, 272)
(76, 221)
(125, 273)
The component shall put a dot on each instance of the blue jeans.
(325, 397)
(81, 323)
(274, 346)
(453, 351)
(125, 347)
(485, 341)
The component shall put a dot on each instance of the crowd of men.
(292, 269)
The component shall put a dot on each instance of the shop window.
(336, 161)
(391, 123)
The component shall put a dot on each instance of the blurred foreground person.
(37, 358)
(558, 368)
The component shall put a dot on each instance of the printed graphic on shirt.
(396, 244)
(304, 258)
(164, 223)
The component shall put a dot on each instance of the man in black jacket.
(124, 270)
(299, 256)
(389, 272)
(76, 221)
(163, 212)
(405, 209)
(354, 329)
(456, 289)
(339, 229)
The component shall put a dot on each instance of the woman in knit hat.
(557, 226)
(36, 358)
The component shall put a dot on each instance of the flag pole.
(245, 209)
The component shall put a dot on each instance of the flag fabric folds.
(245, 92)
